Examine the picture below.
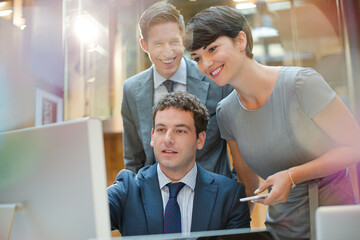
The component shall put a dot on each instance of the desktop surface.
(228, 234)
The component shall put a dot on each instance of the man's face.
(175, 143)
(164, 47)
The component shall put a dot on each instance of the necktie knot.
(169, 85)
(174, 189)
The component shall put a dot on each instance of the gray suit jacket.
(136, 206)
(136, 111)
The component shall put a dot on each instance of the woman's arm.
(338, 123)
(245, 174)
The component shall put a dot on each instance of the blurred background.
(67, 59)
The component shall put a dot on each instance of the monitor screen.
(338, 222)
(57, 173)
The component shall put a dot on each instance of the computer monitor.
(338, 222)
(57, 173)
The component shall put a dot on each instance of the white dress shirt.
(185, 197)
(179, 79)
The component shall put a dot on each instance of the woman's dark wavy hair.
(187, 102)
(213, 22)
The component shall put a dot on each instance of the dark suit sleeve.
(134, 154)
(117, 195)
(239, 215)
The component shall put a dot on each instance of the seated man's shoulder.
(226, 180)
(127, 175)
(127, 180)
(222, 180)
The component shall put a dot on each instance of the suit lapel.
(204, 201)
(144, 103)
(152, 200)
(195, 82)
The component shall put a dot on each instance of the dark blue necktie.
(172, 218)
(169, 85)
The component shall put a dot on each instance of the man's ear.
(152, 140)
(201, 140)
(143, 45)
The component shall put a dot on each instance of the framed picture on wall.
(48, 108)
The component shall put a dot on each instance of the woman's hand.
(280, 184)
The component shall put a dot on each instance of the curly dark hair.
(187, 102)
(206, 26)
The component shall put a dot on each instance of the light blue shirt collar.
(179, 76)
(189, 179)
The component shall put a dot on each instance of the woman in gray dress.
(284, 124)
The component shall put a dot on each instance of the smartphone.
(253, 197)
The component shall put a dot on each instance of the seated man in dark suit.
(199, 200)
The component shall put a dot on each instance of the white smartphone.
(253, 197)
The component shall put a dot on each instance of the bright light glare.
(85, 29)
(245, 6)
(5, 13)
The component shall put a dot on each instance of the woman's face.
(221, 60)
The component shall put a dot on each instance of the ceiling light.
(4, 13)
(85, 29)
(242, 6)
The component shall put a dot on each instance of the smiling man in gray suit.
(162, 29)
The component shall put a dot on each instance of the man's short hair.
(158, 13)
(211, 23)
(187, 102)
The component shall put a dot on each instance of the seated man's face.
(174, 141)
